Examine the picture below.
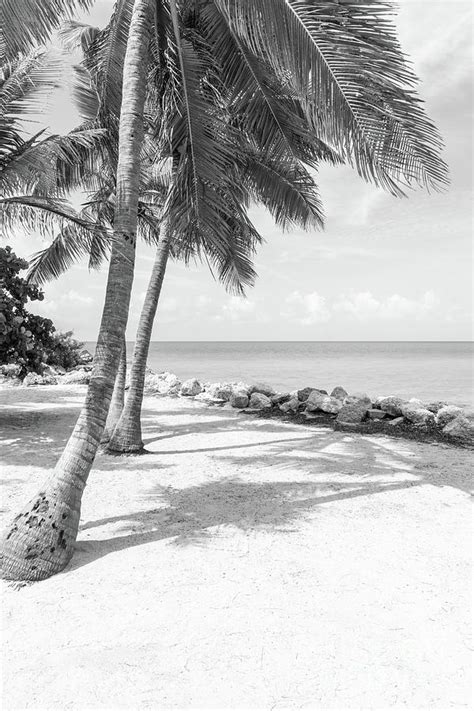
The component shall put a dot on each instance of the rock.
(446, 414)
(239, 399)
(435, 407)
(262, 388)
(358, 398)
(328, 404)
(35, 379)
(49, 371)
(415, 402)
(292, 405)
(241, 387)
(32, 379)
(85, 356)
(461, 429)
(339, 393)
(304, 394)
(205, 397)
(84, 366)
(352, 413)
(392, 405)
(331, 405)
(191, 387)
(162, 383)
(376, 414)
(280, 398)
(396, 422)
(315, 401)
(220, 391)
(9, 382)
(10, 375)
(10, 370)
(152, 383)
(417, 415)
(75, 377)
(259, 401)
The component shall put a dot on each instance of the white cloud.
(238, 307)
(168, 304)
(306, 308)
(203, 302)
(365, 306)
(74, 296)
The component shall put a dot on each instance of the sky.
(382, 269)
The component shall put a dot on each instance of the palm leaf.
(285, 188)
(70, 245)
(53, 165)
(260, 104)
(37, 214)
(27, 23)
(344, 62)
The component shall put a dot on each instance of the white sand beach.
(243, 564)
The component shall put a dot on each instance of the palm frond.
(344, 62)
(261, 104)
(24, 83)
(203, 148)
(71, 244)
(286, 189)
(26, 24)
(54, 165)
(104, 59)
(37, 214)
(77, 35)
(85, 94)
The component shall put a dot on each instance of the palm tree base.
(125, 448)
(40, 541)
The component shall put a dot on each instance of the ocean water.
(427, 370)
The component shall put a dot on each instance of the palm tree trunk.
(127, 436)
(118, 396)
(40, 541)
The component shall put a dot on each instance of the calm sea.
(428, 370)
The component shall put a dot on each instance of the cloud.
(364, 306)
(52, 306)
(237, 307)
(168, 304)
(72, 295)
(327, 251)
(306, 308)
(203, 302)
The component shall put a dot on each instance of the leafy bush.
(64, 351)
(28, 340)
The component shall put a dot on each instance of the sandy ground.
(243, 564)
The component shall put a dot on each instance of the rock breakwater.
(340, 409)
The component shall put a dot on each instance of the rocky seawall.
(339, 409)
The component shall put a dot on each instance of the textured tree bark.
(40, 540)
(118, 396)
(127, 436)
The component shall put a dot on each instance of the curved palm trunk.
(40, 540)
(127, 436)
(118, 396)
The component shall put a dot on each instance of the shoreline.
(439, 422)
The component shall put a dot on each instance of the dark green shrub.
(28, 340)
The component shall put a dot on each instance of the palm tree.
(284, 186)
(126, 435)
(118, 396)
(344, 69)
(53, 515)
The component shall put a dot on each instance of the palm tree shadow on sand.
(194, 515)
